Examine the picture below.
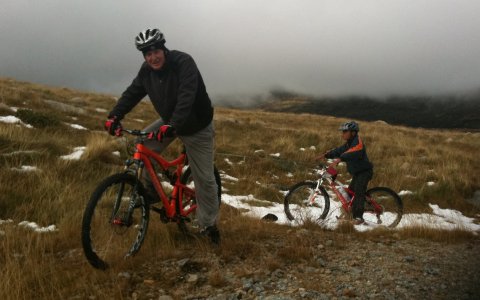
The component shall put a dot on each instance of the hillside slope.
(41, 126)
(426, 112)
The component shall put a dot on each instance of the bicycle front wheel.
(383, 206)
(115, 221)
(304, 203)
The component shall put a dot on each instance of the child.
(353, 152)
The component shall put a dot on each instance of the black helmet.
(350, 125)
(150, 39)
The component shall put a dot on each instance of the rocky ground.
(313, 265)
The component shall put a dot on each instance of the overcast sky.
(337, 47)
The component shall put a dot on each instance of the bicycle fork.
(313, 196)
(126, 219)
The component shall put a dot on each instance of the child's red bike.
(308, 201)
(116, 218)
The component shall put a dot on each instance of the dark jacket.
(354, 153)
(177, 92)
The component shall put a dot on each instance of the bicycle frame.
(173, 206)
(346, 204)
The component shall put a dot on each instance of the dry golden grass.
(52, 266)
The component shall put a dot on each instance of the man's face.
(155, 59)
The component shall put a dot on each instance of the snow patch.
(100, 110)
(25, 169)
(116, 153)
(34, 226)
(8, 221)
(13, 120)
(75, 155)
(20, 152)
(446, 219)
(228, 161)
(313, 148)
(228, 177)
(431, 183)
(302, 149)
(275, 154)
(76, 126)
(405, 192)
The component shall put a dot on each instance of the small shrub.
(36, 119)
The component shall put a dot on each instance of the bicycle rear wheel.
(188, 225)
(115, 221)
(305, 204)
(390, 203)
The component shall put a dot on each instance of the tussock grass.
(52, 266)
(437, 235)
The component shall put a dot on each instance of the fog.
(247, 47)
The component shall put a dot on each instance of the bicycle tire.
(390, 202)
(299, 207)
(109, 233)
(183, 224)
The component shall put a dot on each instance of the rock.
(302, 231)
(329, 243)
(165, 297)
(5, 107)
(321, 262)
(149, 281)
(65, 107)
(475, 200)
(77, 100)
(270, 217)
(409, 258)
(192, 278)
(125, 275)
(182, 262)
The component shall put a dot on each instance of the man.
(354, 153)
(175, 87)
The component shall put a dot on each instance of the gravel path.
(322, 265)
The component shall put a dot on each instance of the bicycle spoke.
(386, 208)
(305, 204)
(114, 225)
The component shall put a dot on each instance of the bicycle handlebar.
(136, 132)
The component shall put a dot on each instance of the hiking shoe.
(212, 233)
(358, 221)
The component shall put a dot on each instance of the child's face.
(347, 134)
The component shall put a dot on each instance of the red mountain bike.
(308, 201)
(116, 218)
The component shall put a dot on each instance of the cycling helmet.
(350, 125)
(150, 39)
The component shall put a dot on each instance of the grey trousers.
(200, 152)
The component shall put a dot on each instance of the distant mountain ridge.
(427, 112)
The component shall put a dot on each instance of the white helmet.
(150, 38)
(349, 126)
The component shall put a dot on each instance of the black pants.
(359, 185)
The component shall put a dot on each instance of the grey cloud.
(246, 47)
